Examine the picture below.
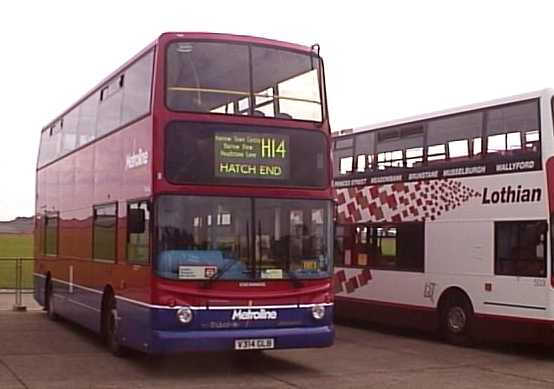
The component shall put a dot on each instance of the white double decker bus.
(444, 221)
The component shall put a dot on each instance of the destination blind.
(251, 155)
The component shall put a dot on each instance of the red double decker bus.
(185, 202)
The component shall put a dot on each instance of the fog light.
(318, 311)
(184, 315)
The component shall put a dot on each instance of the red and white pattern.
(410, 201)
(342, 284)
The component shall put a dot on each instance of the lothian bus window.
(396, 247)
(138, 232)
(104, 232)
(200, 79)
(520, 248)
(51, 231)
(340, 236)
(508, 125)
(400, 147)
(346, 165)
(361, 163)
(414, 157)
(293, 79)
(458, 149)
(457, 132)
(436, 153)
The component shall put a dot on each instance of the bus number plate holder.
(254, 344)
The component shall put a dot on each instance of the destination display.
(251, 155)
(448, 170)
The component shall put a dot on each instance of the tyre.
(110, 325)
(49, 302)
(456, 319)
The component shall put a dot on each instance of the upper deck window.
(246, 80)
(488, 136)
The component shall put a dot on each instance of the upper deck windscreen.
(240, 79)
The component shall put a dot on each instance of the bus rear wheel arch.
(456, 317)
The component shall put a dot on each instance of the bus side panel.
(135, 325)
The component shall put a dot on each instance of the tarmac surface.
(38, 353)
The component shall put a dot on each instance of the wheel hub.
(456, 319)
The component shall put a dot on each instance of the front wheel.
(456, 320)
(111, 319)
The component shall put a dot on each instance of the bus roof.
(169, 36)
(547, 92)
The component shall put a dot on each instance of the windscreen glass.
(242, 238)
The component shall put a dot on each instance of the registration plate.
(254, 344)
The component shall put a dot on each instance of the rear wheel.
(456, 319)
(50, 302)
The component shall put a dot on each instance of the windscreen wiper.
(293, 278)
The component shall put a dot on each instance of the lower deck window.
(520, 248)
(397, 246)
(105, 232)
(51, 226)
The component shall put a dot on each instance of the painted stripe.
(61, 297)
(83, 305)
(313, 305)
(225, 308)
(198, 308)
(515, 305)
(357, 300)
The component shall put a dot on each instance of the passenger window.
(520, 248)
(361, 163)
(414, 157)
(346, 165)
(87, 119)
(138, 85)
(51, 233)
(436, 153)
(390, 159)
(70, 121)
(458, 148)
(397, 247)
(109, 110)
(506, 125)
(477, 146)
(105, 232)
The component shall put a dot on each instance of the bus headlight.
(318, 311)
(184, 315)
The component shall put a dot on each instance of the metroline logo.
(138, 159)
(262, 314)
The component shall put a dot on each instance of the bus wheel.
(456, 317)
(110, 320)
(49, 303)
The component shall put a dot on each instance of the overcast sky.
(384, 60)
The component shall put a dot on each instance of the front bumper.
(224, 340)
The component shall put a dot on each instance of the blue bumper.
(224, 340)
